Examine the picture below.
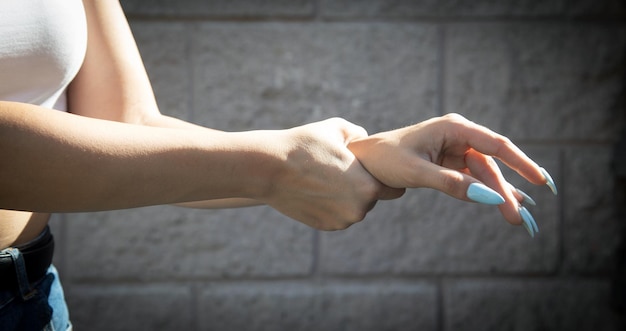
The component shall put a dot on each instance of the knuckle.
(337, 226)
(503, 140)
(341, 220)
(328, 225)
(355, 216)
(370, 190)
(338, 121)
(502, 144)
(454, 124)
(452, 184)
(361, 130)
(454, 117)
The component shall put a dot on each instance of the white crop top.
(42, 46)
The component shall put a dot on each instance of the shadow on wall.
(619, 275)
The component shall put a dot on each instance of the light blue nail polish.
(481, 193)
(530, 217)
(549, 180)
(529, 221)
(527, 227)
(526, 197)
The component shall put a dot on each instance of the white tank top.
(42, 46)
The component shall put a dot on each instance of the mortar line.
(316, 255)
(441, 69)
(355, 278)
(317, 13)
(561, 211)
(440, 314)
(187, 53)
(194, 288)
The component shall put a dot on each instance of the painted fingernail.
(481, 193)
(526, 197)
(549, 181)
(530, 231)
(529, 221)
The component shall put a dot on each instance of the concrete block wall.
(549, 74)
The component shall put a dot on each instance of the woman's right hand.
(320, 182)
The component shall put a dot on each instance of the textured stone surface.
(538, 81)
(163, 50)
(319, 306)
(530, 69)
(549, 304)
(409, 8)
(220, 8)
(602, 8)
(105, 308)
(612, 9)
(591, 228)
(426, 232)
(380, 76)
(480, 8)
(167, 243)
(57, 226)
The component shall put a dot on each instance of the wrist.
(261, 162)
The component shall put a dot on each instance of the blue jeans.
(33, 307)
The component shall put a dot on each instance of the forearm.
(113, 84)
(220, 203)
(164, 121)
(58, 162)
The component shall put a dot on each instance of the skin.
(114, 149)
(447, 154)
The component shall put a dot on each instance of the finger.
(518, 196)
(490, 143)
(452, 182)
(458, 183)
(485, 169)
(390, 193)
(522, 197)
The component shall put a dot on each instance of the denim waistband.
(25, 264)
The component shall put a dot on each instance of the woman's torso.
(18, 227)
(42, 46)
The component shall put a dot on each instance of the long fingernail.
(529, 221)
(481, 193)
(549, 181)
(526, 197)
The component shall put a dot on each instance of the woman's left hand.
(449, 154)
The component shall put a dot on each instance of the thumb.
(350, 130)
(458, 184)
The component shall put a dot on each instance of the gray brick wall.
(549, 74)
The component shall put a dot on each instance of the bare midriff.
(19, 227)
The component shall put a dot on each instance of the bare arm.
(89, 160)
(113, 84)
(53, 161)
(59, 162)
